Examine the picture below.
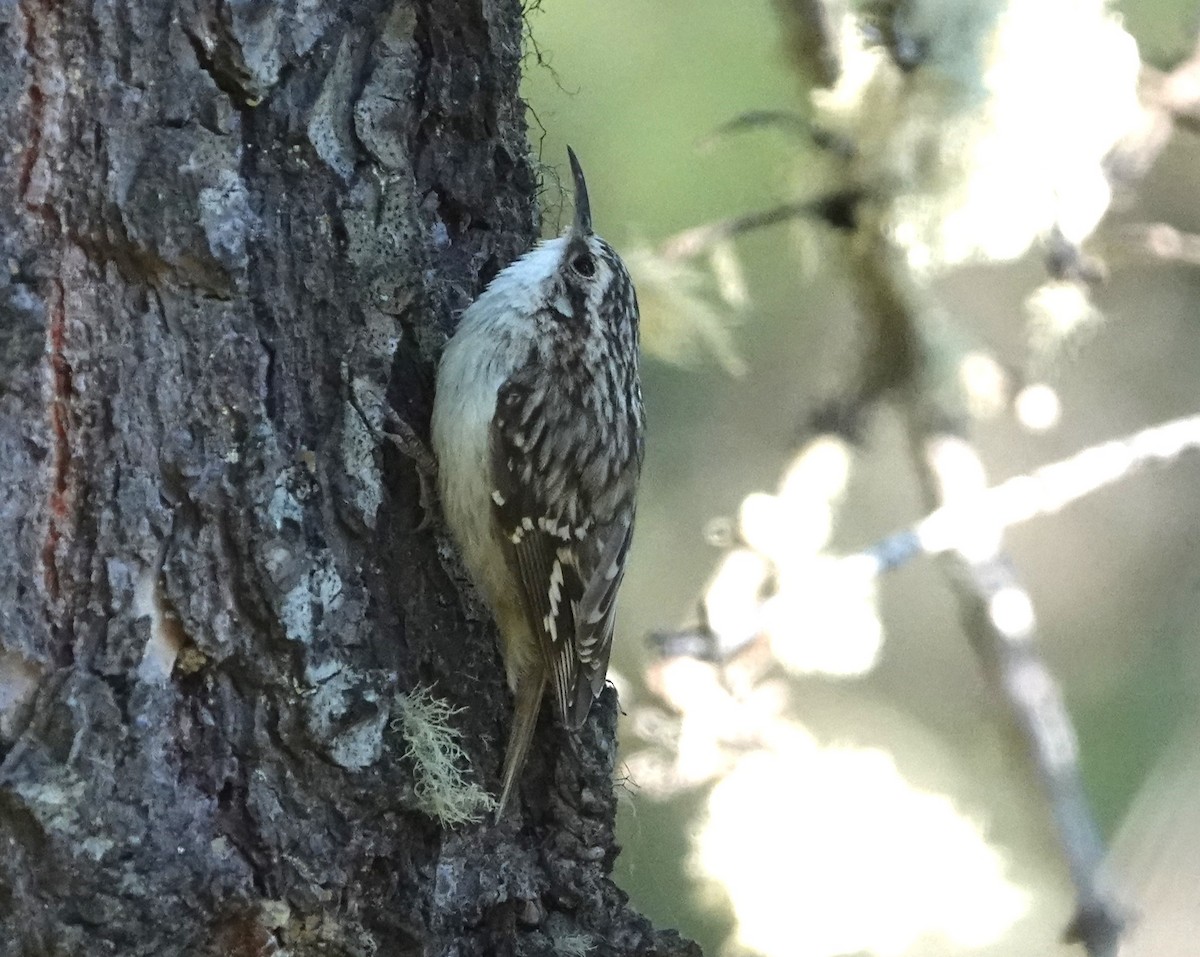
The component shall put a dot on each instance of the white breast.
(488, 347)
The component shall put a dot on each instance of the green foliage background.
(633, 87)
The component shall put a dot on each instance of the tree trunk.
(234, 233)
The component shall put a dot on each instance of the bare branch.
(956, 525)
(968, 524)
(838, 209)
(782, 120)
(699, 239)
(998, 617)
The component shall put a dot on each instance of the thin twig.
(783, 120)
(1044, 491)
(998, 617)
(971, 522)
(699, 239)
(836, 209)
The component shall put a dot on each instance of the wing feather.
(596, 615)
(568, 560)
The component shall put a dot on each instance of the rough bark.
(235, 232)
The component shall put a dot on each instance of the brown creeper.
(537, 426)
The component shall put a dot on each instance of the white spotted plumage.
(537, 425)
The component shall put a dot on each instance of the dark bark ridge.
(233, 234)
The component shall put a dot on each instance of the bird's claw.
(406, 441)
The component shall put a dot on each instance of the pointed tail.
(528, 706)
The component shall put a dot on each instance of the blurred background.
(923, 831)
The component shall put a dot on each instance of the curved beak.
(583, 209)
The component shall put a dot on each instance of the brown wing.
(596, 614)
(568, 563)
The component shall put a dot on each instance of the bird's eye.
(585, 265)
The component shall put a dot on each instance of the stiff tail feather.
(528, 706)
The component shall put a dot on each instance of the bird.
(538, 428)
